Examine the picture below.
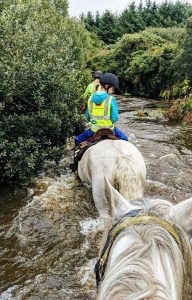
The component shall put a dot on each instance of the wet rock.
(185, 151)
(169, 164)
(150, 115)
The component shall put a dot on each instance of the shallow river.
(49, 234)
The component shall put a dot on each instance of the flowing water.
(49, 234)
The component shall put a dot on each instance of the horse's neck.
(160, 264)
(121, 245)
(164, 272)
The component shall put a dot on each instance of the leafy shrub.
(135, 18)
(171, 34)
(181, 110)
(142, 61)
(186, 106)
(42, 73)
(177, 90)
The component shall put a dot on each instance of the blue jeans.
(89, 133)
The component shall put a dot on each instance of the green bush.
(183, 60)
(171, 34)
(135, 18)
(186, 106)
(149, 71)
(177, 90)
(142, 61)
(42, 74)
(181, 110)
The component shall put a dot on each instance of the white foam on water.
(7, 295)
(89, 225)
(87, 271)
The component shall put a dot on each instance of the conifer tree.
(107, 27)
(97, 22)
(89, 21)
(134, 18)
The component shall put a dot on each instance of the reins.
(129, 219)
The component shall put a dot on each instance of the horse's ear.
(119, 205)
(183, 214)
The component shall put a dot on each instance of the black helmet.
(97, 74)
(111, 79)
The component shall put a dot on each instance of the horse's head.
(147, 253)
(180, 214)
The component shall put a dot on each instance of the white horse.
(150, 254)
(123, 165)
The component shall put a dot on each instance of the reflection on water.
(49, 240)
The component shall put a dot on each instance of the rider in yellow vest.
(93, 86)
(102, 110)
(91, 89)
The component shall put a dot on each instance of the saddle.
(100, 135)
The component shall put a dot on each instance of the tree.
(61, 6)
(136, 18)
(97, 22)
(185, 57)
(142, 61)
(131, 20)
(107, 27)
(42, 70)
(89, 22)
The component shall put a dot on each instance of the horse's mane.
(131, 276)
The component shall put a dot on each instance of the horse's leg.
(99, 197)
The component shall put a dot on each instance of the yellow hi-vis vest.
(100, 114)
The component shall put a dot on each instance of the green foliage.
(171, 34)
(181, 110)
(106, 30)
(110, 27)
(42, 72)
(94, 44)
(182, 74)
(155, 62)
(148, 70)
(89, 21)
(142, 61)
(181, 87)
(177, 90)
(130, 21)
(185, 56)
(101, 60)
(186, 106)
